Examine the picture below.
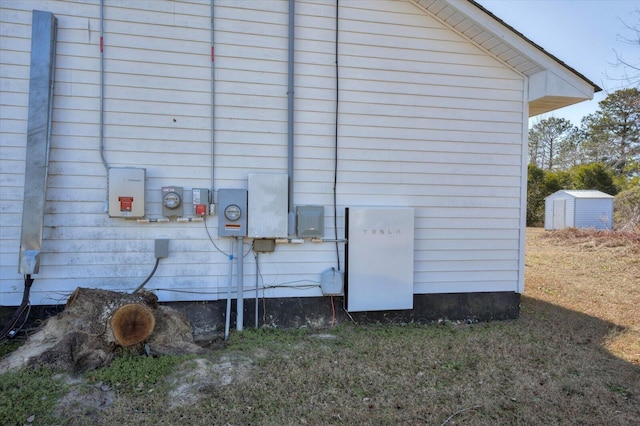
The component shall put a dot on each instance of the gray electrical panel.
(200, 201)
(268, 205)
(232, 216)
(310, 221)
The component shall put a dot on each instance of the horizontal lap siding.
(429, 121)
(157, 116)
(426, 120)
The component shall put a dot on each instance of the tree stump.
(97, 323)
(131, 324)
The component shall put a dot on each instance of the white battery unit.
(126, 192)
(268, 205)
(379, 260)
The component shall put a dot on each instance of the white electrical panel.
(379, 261)
(126, 192)
(268, 205)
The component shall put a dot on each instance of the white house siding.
(427, 120)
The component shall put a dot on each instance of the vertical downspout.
(290, 118)
(39, 119)
(213, 98)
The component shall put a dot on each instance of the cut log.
(132, 324)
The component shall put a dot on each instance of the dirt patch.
(84, 402)
(194, 379)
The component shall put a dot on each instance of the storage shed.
(578, 209)
(307, 153)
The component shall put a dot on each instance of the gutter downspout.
(39, 120)
(290, 117)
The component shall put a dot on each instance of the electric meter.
(172, 201)
(232, 221)
(232, 212)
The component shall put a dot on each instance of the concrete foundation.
(207, 318)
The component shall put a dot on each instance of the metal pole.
(240, 285)
(290, 117)
(227, 320)
(257, 298)
(213, 98)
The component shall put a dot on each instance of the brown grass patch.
(592, 272)
(571, 358)
(590, 239)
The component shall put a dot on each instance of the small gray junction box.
(310, 221)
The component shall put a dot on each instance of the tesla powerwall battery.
(379, 261)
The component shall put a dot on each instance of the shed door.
(559, 207)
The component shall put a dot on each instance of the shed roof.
(583, 193)
(552, 83)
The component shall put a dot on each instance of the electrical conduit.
(290, 117)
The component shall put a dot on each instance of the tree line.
(602, 153)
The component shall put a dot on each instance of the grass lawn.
(573, 357)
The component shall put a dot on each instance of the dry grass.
(593, 272)
(571, 358)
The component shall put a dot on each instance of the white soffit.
(552, 85)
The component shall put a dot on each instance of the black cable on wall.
(335, 163)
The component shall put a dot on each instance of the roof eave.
(552, 83)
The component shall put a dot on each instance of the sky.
(584, 34)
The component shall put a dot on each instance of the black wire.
(148, 278)
(335, 163)
(10, 327)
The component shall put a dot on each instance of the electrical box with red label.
(126, 192)
(200, 201)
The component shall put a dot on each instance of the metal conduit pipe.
(227, 319)
(101, 123)
(240, 284)
(290, 117)
(213, 97)
(257, 294)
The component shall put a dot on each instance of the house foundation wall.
(207, 318)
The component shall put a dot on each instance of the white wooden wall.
(427, 120)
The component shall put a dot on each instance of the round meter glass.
(171, 200)
(232, 212)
